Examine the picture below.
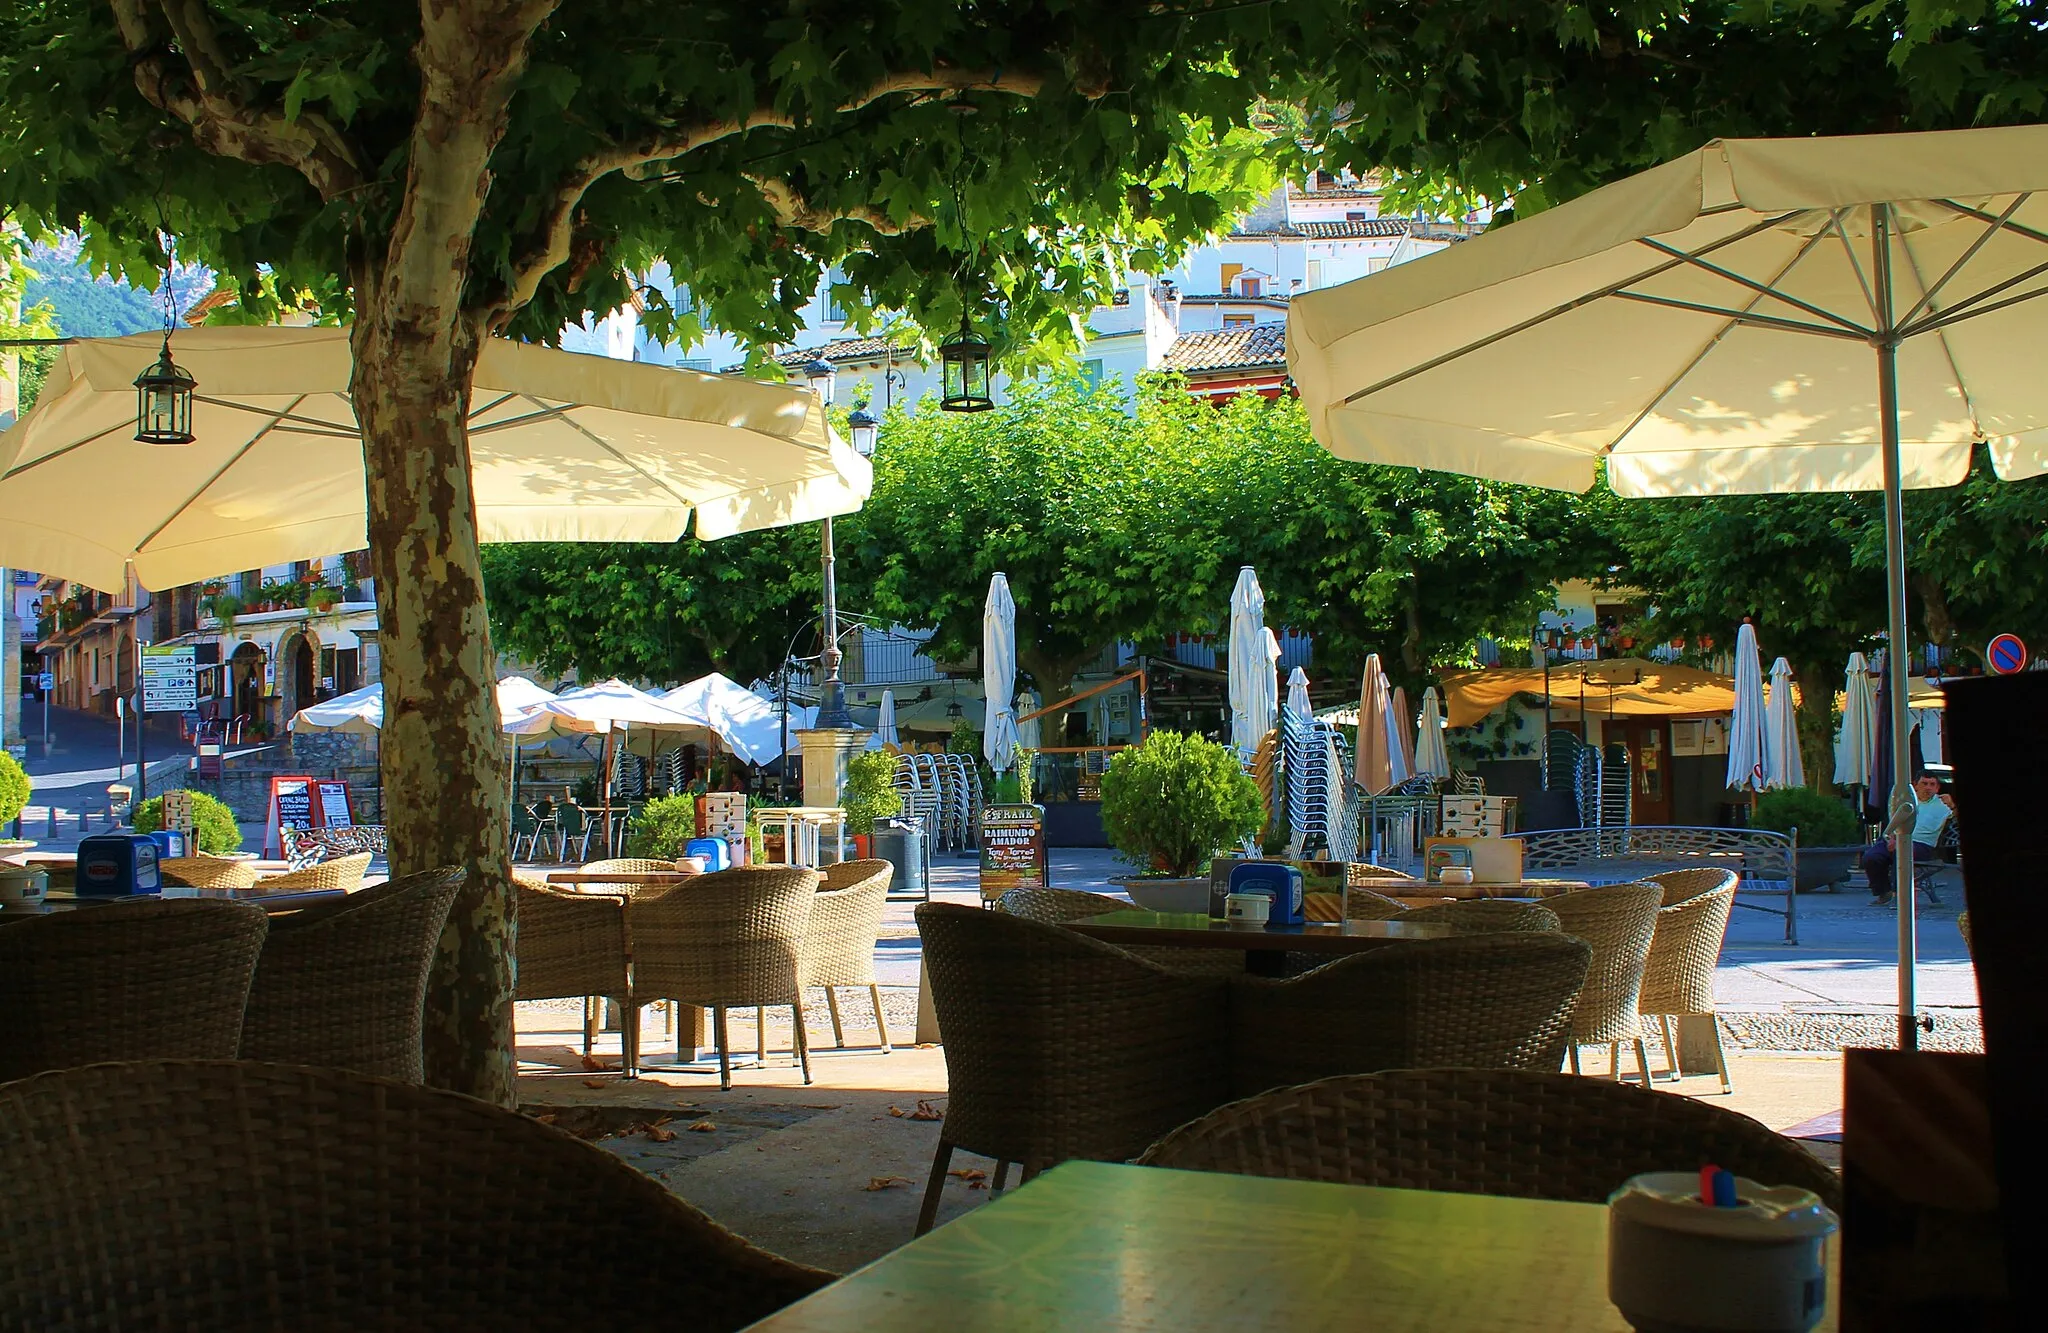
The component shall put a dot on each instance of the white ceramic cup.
(1677, 1265)
(1454, 875)
(1251, 909)
(22, 885)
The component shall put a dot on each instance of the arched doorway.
(245, 681)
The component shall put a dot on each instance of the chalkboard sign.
(1012, 849)
(334, 811)
(291, 806)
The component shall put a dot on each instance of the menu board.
(291, 806)
(334, 811)
(1012, 849)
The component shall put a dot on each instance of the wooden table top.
(1090, 1245)
(650, 877)
(1197, 930)
(1509, 888)
(274, 901)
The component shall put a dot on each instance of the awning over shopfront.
(1618, 686)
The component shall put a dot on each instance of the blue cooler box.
(114, 864)
(1277, 880)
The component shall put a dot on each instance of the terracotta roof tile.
(1228, 349)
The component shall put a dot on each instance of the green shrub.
(1173, 802)
(662, 827)
(213, 824)
(14, 788)
(870, 791)
(1822, 820)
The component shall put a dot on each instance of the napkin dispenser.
(113, 864)
(1276, 880)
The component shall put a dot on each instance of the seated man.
(1934, 807)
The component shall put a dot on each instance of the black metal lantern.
(963, 360)
(819, 374)
(864, 430)
(163, 401)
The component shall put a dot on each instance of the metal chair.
(576, 829)
(546, 831)
(151, 978)
(1522, 1133)
(230, 1194)
(345, 983)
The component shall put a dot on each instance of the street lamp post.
(832, 712)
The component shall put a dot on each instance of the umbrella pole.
(1900, 824)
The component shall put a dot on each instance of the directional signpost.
(2006, 654)
(170, 684)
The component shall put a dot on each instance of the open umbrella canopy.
(520, 711)
(1859, 724)
(563, 447)
(1430, 755)
(1746, 724)
(999, 675)
(600, 708)
(1251, 706)
(747, 724)
(1782, 765)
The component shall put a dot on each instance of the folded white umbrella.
(1248, 664)
(1270, 679)
(1430, 755)
(563, 447)
(885, 723)
(1746, 722)
(1859, 724)
(1782, 765)
(999, 675)
(1297, 693)
(1029, 736)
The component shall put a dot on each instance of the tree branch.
(793, 210)
(202, 91)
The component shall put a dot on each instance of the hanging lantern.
(163, 401)
(819, 375)
(964, 362)
(864, 429)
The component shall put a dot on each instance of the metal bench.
(1766, 864)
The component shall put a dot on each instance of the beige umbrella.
(1820, 314)
(563, 447)
(1377, 753)
(1404, 729)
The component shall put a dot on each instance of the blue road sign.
(2006, 654)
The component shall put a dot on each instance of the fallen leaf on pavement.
(897, 1111)
(658, 1132)
(594, 1064)
(547, 1119)
(702, 1127)
(595, 1083)
(927, 1110)
(977, 1184)
(969, 1173)
(884, 1182)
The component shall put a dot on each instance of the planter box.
(1826, 867)
(1168, 895)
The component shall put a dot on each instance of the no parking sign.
(2006, 654)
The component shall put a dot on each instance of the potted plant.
(1169, 805)
(15, 785)
(869, 794)
(1830, 835)
(213, 824)
(222, 606)
(322, 598)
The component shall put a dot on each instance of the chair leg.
(1642, 1060)
(1028, 1172)
(1720, 1055)
(1574, 1048)
(629, 1037)
(760, 1033)
(590, 1003)
(881, 1027)
(934, 1188)
(724, 1049)
(832, 1003)
(1670, 1046)
(803, 1043)
(1614, 1060)
(995, 1186)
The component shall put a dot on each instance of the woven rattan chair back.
(626, 865)
(1365, 905)
(215, 1195)
(207, 872)
(839, 943)
(847, 874)
(1058, 1046)
(1678, 975)
(155, 978)
(732, 937)
(568, 943)
(1499, 1001)
(1619, 921)
(1523, 1133)
(1679, 885)
(1056, 907)
(1486, 916)
(1363, 873)
(343, 874)
(344, 984)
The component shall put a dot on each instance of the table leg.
(927, 1017)
(689, 1025)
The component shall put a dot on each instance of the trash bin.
(900, 842)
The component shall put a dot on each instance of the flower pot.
(861, 843)
(1157, 893)
(1826, 867)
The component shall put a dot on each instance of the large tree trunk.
(1817, 724)
(444, 800)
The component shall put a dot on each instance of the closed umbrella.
(999, 675)
(1029, 736)
(1746, 723)
(563, 447)
(1249, 708)
(1859, 724)
(1378, 757)
(1782, 765)
(1430, 755)
(885, 720)
(1297, 693)
(1759, 315)
(1271, 679)
(1402, 723)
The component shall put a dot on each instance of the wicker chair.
(1679, 885)
(1486, 1001)
(207, 872)
(1522, 1133)
(345, 983)
(729, 939)
(1963, 929)
(343, 873)
(1365, 905)
(1619, 921)
(574, 944)
(626, 865)
(839, 944)
(1059, 1046)
(1678, 976)
(219, 1195)
(154, 978)
(1056, 907)
(1486, 916)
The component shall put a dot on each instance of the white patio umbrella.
(1814, 314)
(885, 723)
(1746, 723)
(1297, 693)
(563, 447)
(1859, 724)
(362, 711)
(1430, 755)
(1271, 677)
(1250, 705)
(744, 722)
(612, 709)
(1029, 735)
(1782, 765)
(999, 675)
